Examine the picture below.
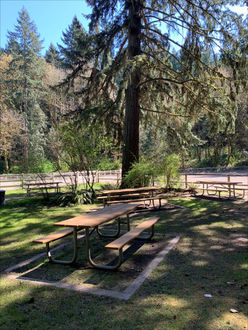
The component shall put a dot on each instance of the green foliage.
(45, 167)
(222, 160)
(108, 164)
(52, 56)
(76, 45)
(74, 198)
(26, 89)
(141, 174)
(169, 168)
(83, 147)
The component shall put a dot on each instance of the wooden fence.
(16, 181)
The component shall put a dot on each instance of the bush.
(74, 198)
(169, 168)
(45, 167)
(140, 175)
(108, 164)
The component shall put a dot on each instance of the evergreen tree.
(26, 70)
(52, 56)
(76, 45)
(141, 36)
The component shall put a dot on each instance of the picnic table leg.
(148, 236)
(64, 262)
(100, 266)
(116, 234)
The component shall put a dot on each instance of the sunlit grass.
(209, 258)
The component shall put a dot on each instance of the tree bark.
(132, 110)
(25, 139)
(6, 162)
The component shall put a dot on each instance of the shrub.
(108, 164)
(141, 174)
(169, 168)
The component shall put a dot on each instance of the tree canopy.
(148, 63)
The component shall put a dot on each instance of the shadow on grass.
(211, 257)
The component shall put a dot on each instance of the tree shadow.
(209, 258)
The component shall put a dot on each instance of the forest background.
(68, 109)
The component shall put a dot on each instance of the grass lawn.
(210, 258)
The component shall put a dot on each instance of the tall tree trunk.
(58, 153)
(25, 140)
(132, 111)
(6, 162)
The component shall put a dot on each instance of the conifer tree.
(26, 70)
(74, 49)
(52, 56)
(141, 79)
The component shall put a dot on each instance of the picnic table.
(42, 186)
(130, 195)
(92, 221)
(218, 187)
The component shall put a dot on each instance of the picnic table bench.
(130, 195)
(92, 221)
(29, 186)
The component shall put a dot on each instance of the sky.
(51, 17)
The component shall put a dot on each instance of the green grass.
(209, 258)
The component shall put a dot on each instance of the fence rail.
(16, 181)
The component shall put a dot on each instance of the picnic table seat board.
(54, 237)
(120, 242)
(213, 191)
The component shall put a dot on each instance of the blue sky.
(50, 16)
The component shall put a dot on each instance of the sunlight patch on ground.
(244, 266)
(175, 302)
(200, 263)
(231, 321)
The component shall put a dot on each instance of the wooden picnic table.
(42, 186)
(130, 195)
(92, 221)
(229, 186)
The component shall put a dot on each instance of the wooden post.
(77, 178)
(186, 181)
(228, 178)
(22, 181)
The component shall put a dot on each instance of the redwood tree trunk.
(132, 111)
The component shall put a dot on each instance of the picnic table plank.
(98, 217)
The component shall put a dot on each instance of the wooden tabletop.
(41, 183)
(98, 217)
(129, 190)
(218, 182)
